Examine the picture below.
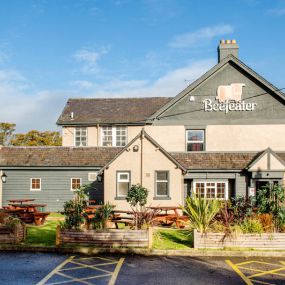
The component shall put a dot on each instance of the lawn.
(173, 239)
(43, 235)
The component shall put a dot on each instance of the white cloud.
(194, 38)
(170, 84)
(89, 59)
(32, 109)
(82, 84)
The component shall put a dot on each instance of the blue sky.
(53, 50)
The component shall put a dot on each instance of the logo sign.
(229, 99)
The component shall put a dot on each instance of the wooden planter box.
(252, 241)
(17, 235)
(106, 238)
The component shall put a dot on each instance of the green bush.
(73, 210)
(102, 215)
(137, 195)
(251, 226)
(201, 212)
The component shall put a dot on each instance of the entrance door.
(265, 183)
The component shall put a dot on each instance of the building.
(222, 136)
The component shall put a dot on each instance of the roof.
(229, 59)
(56, 156)
(110, 111)
(145, 135)
(215, 160)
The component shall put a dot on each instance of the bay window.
(195, 140)
(114, 136)
(211, 189)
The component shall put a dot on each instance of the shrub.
(271, 200)
(144, 218)
(102, 215)
(73, 210)
(267, 222)
(201, 212)
(137, 195)
(251, 226)
(243, 207)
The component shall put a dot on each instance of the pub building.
(222, 136)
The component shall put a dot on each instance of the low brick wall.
(106, 238)
(17, 235)
(254, 241)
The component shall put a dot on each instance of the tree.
(37, 138)
(6, 132)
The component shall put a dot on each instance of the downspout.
(142, 137)
(1, 189)
(98, 134)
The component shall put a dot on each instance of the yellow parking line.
(262, 282)
(95, 266)
(91, 266)
(116, 272)
(242, 276)
(273, 272)
(55, 270)
(256, 261)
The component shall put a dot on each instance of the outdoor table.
(169, 219)
(21, 201)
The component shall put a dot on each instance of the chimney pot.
(227, 47)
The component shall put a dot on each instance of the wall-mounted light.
(191, 98)
(135, 148)
(99, 177)
(4, 177)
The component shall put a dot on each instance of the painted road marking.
(241, 267)
(85, 271)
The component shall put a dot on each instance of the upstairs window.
(81, 136)
(114, 136)
(195, 140)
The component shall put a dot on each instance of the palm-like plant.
(201, 212)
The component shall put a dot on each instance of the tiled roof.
(113, 110)
(56, 156)
(215, 160)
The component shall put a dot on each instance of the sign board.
(251, 191)
(229, 99)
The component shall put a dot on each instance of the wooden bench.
(40, 217)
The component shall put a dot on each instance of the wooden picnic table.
(29, 213)
(169, 219)
(21, 201)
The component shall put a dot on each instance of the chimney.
(227, 47)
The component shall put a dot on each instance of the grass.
(173, 239)
(43, 235)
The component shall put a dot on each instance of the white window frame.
(38, 189)
(71, 183)
(156, 180)
(122, 180)
(213, 181)
(189, 141)
(114, 135)
(80, 136)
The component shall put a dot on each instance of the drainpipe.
(98, 134)
(142, 137)
(1, 189)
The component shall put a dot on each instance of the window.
(195, 140)
(123, 183)
(211, 189)
(92, 176)
(161, 181)
(75, 183)
(114, 136)
(81, 136)
(36, 184)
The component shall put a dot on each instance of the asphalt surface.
(34, 268)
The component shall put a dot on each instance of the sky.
(52, 50)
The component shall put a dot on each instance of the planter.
(254, 241)
(15, 235)
(106, 238)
